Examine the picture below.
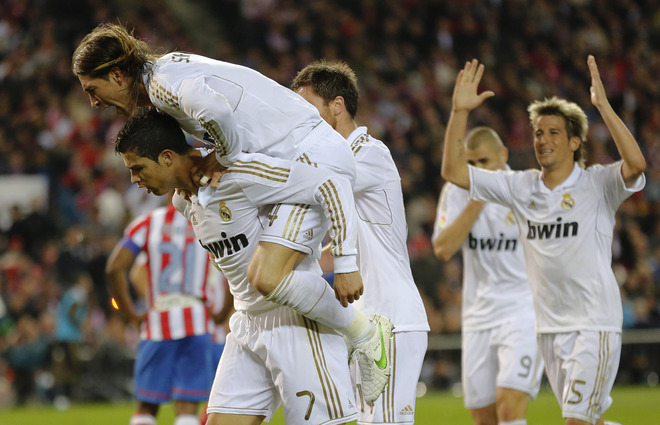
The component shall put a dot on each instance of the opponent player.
(383, 255)
(174, 358)
(501, 363)
(233, 108)
(253, 181)
(566, 217)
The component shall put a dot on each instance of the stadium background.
(65, 196)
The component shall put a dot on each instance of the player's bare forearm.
(633, 159)
(454, 166)
(451, 238)
(464, 99)
(348, 287)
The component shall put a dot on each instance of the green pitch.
(632, 406)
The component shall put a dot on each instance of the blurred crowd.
(56, 322)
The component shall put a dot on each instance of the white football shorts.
(397, 403)
(279, 357)
(581, 368)
(506, 356)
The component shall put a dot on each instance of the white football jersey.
(495, 287)
(389, 288)
(567, 236)
(232, 106)
(226, 221)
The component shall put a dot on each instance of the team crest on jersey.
(225, 212)
(567, 203)
(510, 218)
(193, 219)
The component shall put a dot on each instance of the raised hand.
(465, 97)
(598, 96)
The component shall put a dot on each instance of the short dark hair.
(329, 80)
(150, 132)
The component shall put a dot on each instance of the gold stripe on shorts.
(388, 394)
(330, 392)
(603, 360)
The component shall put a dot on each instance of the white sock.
(311, 296)
(142, 419)
(186, 420)
(516, 422)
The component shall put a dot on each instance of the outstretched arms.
(464, 99)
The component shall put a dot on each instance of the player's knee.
(262, 279)
(510, 409)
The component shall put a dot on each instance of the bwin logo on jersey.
(226, 246)
(555, 230)
(492, 244)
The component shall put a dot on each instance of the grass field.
(632, 406)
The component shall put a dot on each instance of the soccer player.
(501, 363)
(566, 216)
(174, 358)
(233, 108)
(226, 222)
(383, 255)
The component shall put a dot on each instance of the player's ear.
(166, 157)
(574, 143)
(116, 75)
(337, 105)
(504, 155)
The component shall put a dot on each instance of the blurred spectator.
(70, 331)
(406, 54)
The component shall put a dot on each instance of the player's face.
(106, 93)
(153, 176)
(487, 156)
(552, 145)
(319, 103)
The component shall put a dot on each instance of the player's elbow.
(456, 174)
(441, 252)
(638, 166)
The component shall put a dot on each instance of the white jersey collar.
(355, 134)
(570, 181)
(146, 76)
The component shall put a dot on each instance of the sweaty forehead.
(132, 160)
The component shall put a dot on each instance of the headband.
(112, 62)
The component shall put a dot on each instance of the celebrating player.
(566, 217)
(501, 363)
(234, 109)
(383, 256)
(225, 222)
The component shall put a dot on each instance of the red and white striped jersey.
(178, 270)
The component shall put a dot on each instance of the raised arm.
(633, 160)
(464, 99)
